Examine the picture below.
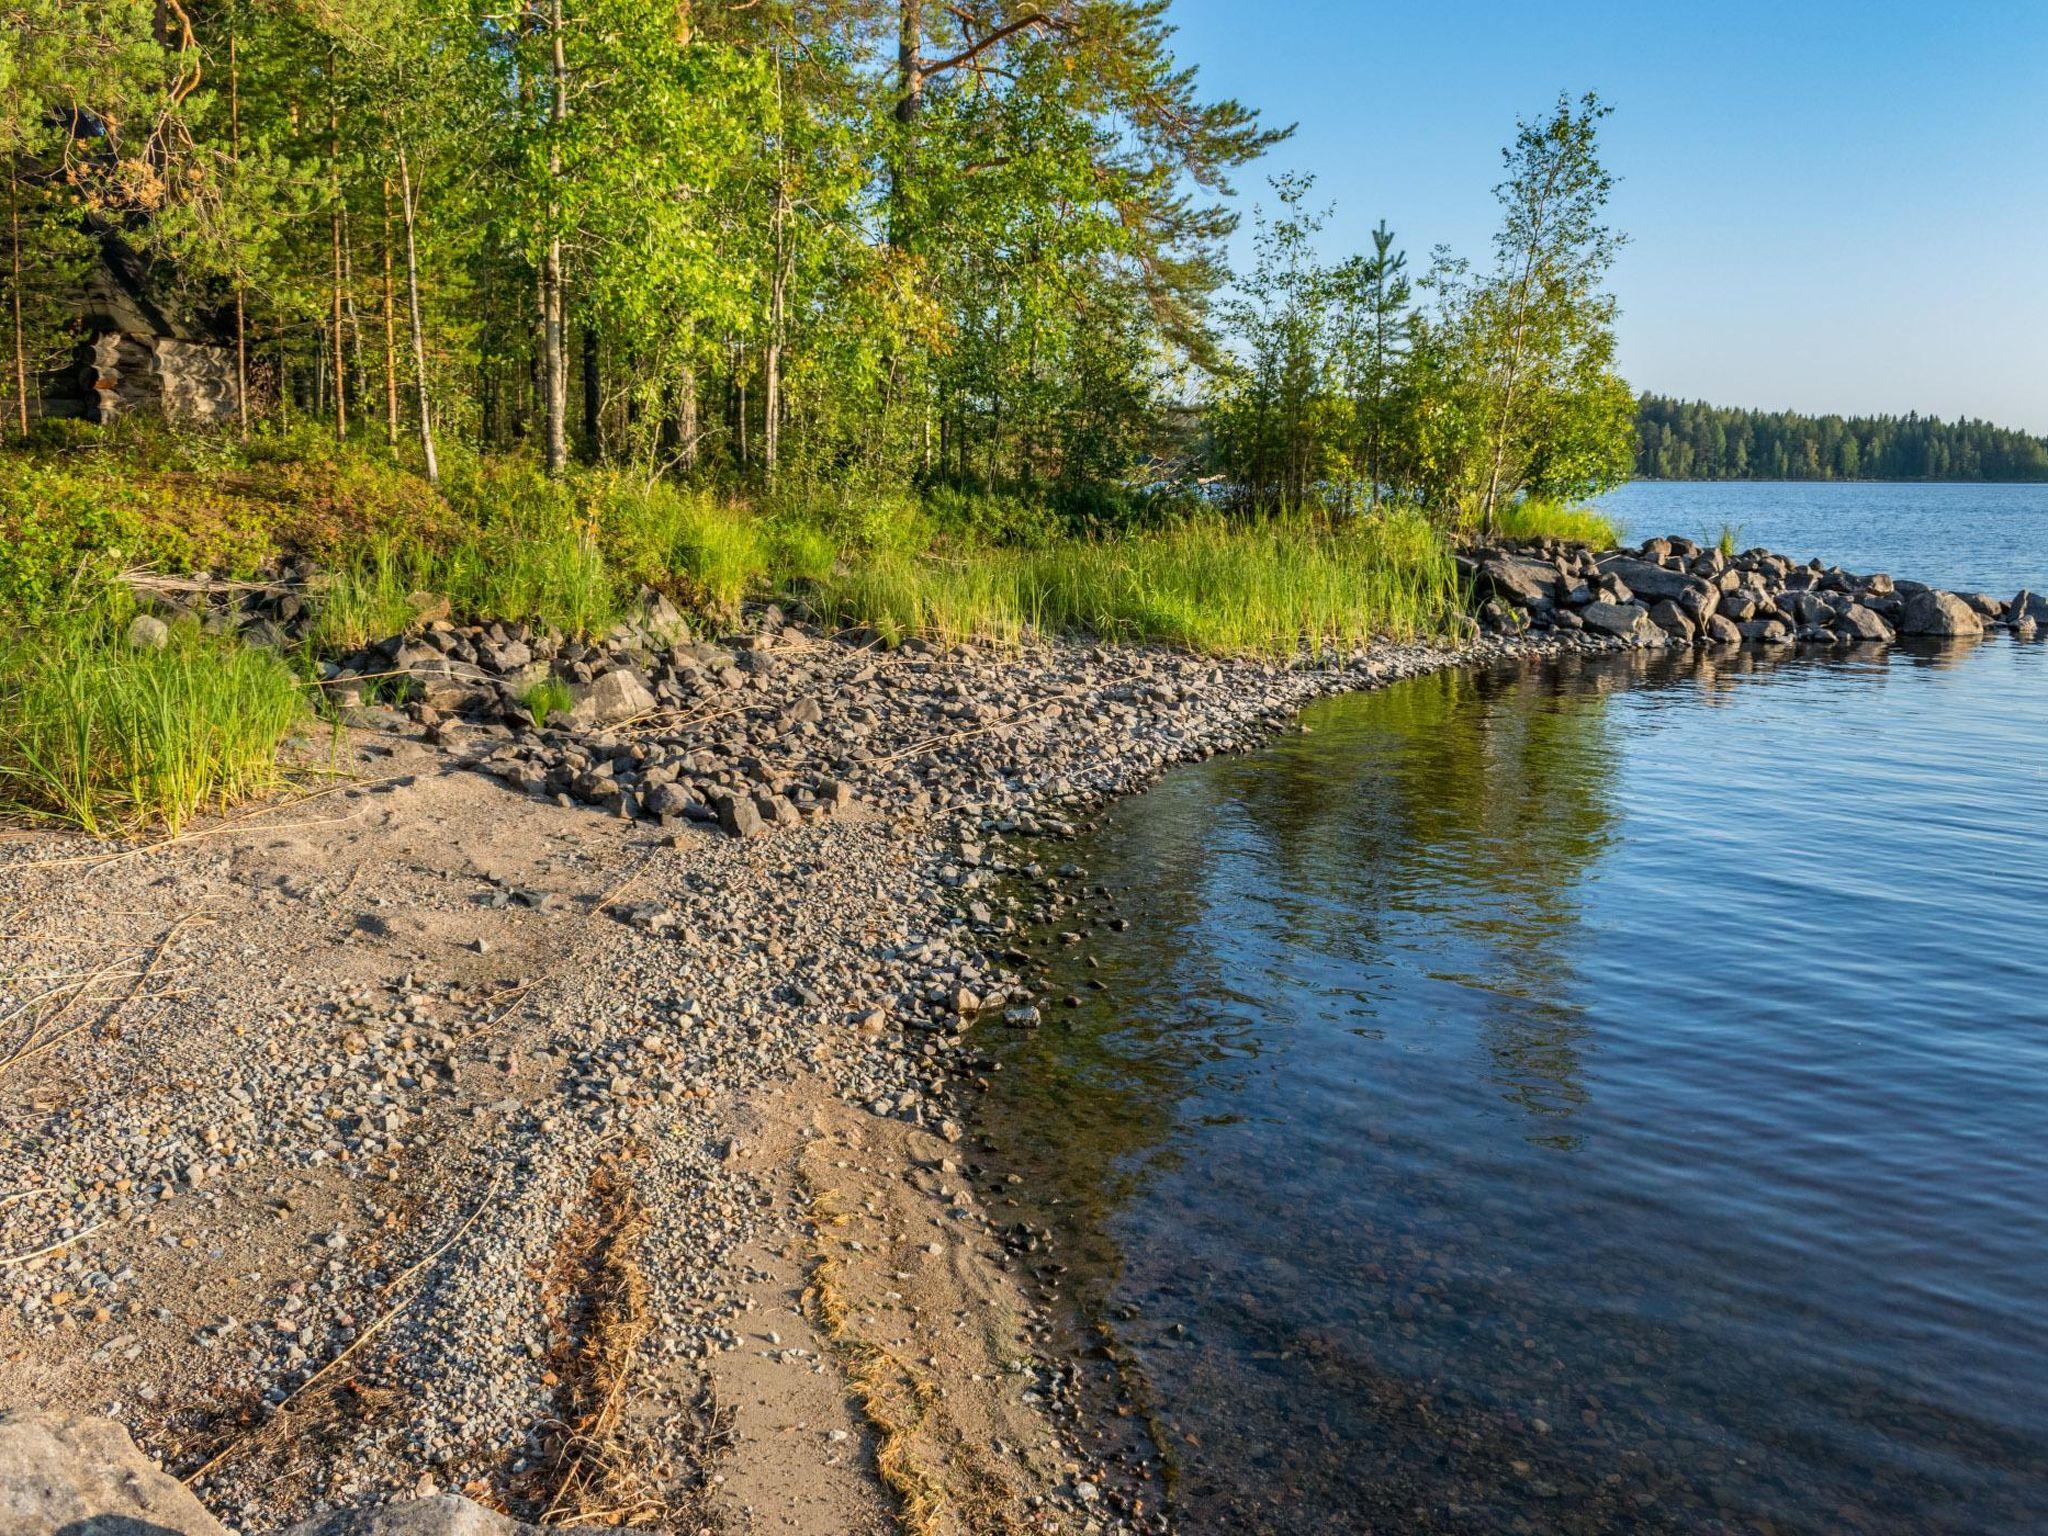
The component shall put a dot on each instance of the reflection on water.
(1600, 1096)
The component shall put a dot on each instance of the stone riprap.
(1670, 591)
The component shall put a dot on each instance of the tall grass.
(1270, 588)
(1535, 517)
(100, 735)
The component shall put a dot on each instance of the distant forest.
(1691, 440)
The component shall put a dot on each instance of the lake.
(1605, 1095)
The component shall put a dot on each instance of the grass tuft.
(1538, 518)
(1268, 588)
(98, 734)
(546, 699)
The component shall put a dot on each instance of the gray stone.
(1525, 583)
(1721, 630)
(146, 632)
(2028, 606)
(83, 1476)
(1858, 623)
(1622, 620)
(445, 1514)
(1692, 593)
(661, 619)
(615, 697)
(1941, 614)
(1766, 631)
(1672, 619)
(668, 800)
(737, 815)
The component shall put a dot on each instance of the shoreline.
(469, 1108)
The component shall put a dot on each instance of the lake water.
(1590, 1097)
(1968, 538)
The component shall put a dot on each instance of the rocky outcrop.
(82, 1476)
(70, 1474)
(1670, 591)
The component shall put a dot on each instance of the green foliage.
(1271, 586)
(1730, 538)
(103, 736)
(547, 698)
(1691, 440)
(1502, 385)
(1541, 517)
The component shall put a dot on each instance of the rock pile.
(1670, 591)
(275, 608)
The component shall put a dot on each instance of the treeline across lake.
(1691, 440)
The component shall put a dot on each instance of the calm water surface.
(1969, 538)
(1585, 1097)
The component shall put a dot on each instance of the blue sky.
(1832, 204)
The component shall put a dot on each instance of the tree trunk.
(554, 366)
(419, 340)
(687, 427)
(334, 229)
(241, 308)
(909, 100)
(14, 292)
(593, 398)
(390, 332)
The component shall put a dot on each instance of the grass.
(1535, 517)
(100, 735)
(1266, 588)
(1729, 539)
(547, 698)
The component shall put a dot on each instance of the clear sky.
(1832, 204)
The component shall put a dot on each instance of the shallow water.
(1576, 1097)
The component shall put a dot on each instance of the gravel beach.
(571, 1118)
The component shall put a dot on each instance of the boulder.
(1622, 620)
(1766, 631)
(1672, 619)
(661, 619)
(1516, 579)
(1694, 594)
(616, 696)
(1941, 614)
(83, 1476)
(146, 632)
(2028, 606)
(444, 1514)
(1721, 630)
(737, 815)
(1859, 624)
